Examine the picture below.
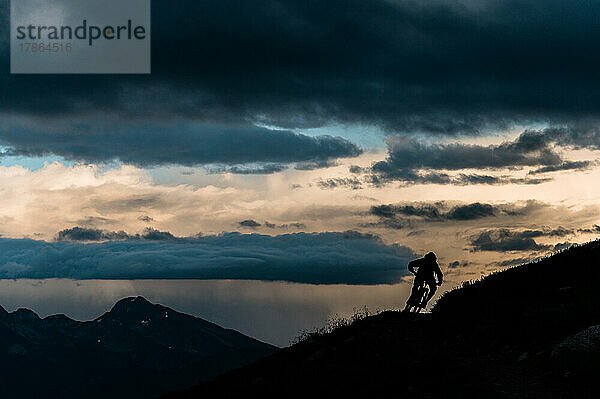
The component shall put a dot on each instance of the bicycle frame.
(418, 303)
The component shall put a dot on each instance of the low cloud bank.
(319, 258)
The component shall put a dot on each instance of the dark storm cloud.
(472, 211)
(526, 180)
(527, 150)
(407, 157)
(427, 211)
(250, 223)
(385, 173)
(415, 162)
(85, 234)
(442, 211)
(593, 230)
(89, 234)
(570, 165)
(319, 161)
(504, 240)
(249, 169)
(579, 134)
(458, 264)
(557, 232)
(433, 67)
(464, 179)
(294, 225)
(408, 215)
(312, 165)
(156, 235)
(187, 145)
(333, 258)
(345, 182)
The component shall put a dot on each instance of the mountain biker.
(427, 267)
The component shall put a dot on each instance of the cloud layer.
(529, 149)
(439, 211)
(415, 162)
(404, 215)
(406, 66)
(182, 144)
(319, 258)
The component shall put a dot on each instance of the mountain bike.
(417, 300)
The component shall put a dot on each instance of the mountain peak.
(25, 314)
(138, 300)
(134, 305)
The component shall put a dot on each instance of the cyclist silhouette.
(427, 270)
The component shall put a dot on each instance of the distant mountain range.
(532, 331)
(136, 350)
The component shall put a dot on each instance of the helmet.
(431, 256)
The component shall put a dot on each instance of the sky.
(321, 142)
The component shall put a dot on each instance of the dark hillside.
(529, 306)
(497, 338)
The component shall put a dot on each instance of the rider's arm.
(438, 273)
(411, 266)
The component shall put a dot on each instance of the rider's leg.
(413, 298)
(432, 289)
(414, 295)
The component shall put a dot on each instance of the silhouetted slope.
(136, 350)
(492, 338)
(530, 306)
